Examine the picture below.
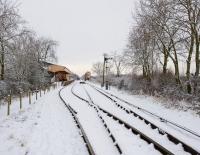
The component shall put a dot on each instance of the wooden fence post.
(29, 94)
(8, 110)
(20, 99)
(40, 92)
(36, 94)
(10, 97)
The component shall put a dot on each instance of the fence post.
(8, 110)
(29, 95)
(36, 94)
(10, 97)
(40, 92)
(20, 99)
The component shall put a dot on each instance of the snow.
(130, 143)
(15, 105)
(92, 125)
(45, 127)
(135, 122)
(185, 118)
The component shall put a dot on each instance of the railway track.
(78, 124)
(101, 118)
(171, 138)
(146, 111)
(127, 126)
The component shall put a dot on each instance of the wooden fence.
(31, 95)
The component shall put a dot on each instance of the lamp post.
(105, 69)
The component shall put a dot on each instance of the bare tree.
(97, 68)
(118, 61)
(10, 22)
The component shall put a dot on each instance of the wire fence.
(25, 98)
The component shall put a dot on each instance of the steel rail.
(100, 117)
(143, 136)
(78, 124)
(172, 138)
(153, 114)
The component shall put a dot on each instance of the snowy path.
(45, 128)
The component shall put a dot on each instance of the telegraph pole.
(104, 62)
(105, 69)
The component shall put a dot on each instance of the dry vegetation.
(22, 52)
(166, 33)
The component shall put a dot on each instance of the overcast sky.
(85, 29)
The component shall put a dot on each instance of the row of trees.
(166, 33)
(115, 66)
(22, 52)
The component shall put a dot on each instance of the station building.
(60, 73)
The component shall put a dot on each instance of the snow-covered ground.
(43, 128)
(47, 127)
(187, 118)
(92, 125)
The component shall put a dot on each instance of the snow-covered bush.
(3, 88)
(161, 85)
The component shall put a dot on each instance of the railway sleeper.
(173, 139)
(144, 137)
(104, 123)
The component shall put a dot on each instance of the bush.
(162, 85)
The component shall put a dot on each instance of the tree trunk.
(196, 61)
(118, 72)
(176, 65)
(189, 88)
(197, 54)
(177, 75)
(2, 62)
(143, 71)
(148, 73)
(165, 52)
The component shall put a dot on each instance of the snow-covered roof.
(58, 68)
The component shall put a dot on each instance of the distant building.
(61, 73)
(87, 76)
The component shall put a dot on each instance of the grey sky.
(84, 28)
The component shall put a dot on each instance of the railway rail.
(172, 138)
(153, 114)
(101, 118)
(127, 126)
(78, 124)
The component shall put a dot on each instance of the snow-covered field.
(43, 128)
(47, 127)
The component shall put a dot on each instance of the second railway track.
(78, 124)
(127, 126)
(172, 138)
(110, 118)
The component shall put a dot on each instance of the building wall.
(62, 76)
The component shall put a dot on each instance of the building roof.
(58, 68)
